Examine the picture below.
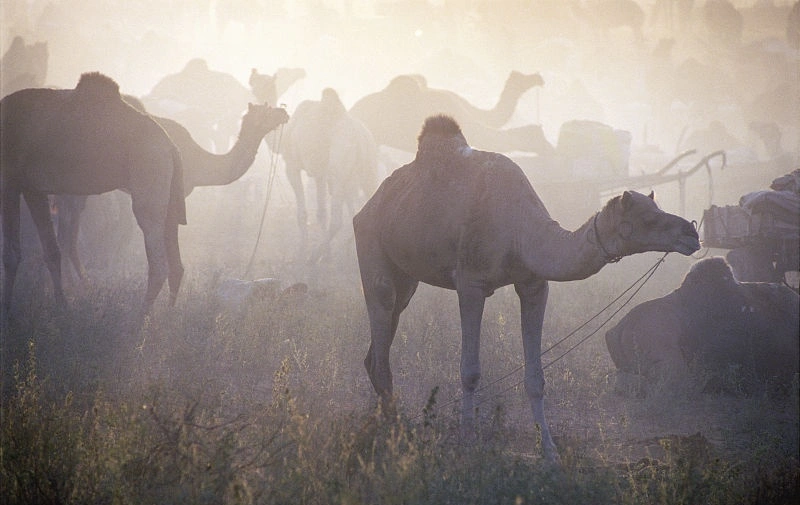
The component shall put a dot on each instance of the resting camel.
(470, 221)
(87, 140)
(712, 321)
(201, 168)
(334, 149)
(394, 114)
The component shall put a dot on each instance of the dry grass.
(196, 406)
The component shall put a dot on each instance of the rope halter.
(610, 258)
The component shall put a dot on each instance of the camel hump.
(439, 125)
(441, 144)
(97, 86)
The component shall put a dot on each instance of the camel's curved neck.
(208, 169)
(558, 254)
(501, 113)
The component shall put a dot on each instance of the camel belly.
(75, 176)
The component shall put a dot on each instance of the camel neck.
(562, 255)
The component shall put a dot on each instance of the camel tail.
(177, 202)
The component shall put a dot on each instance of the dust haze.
(654, 71)
(671, 75)
(707, 90)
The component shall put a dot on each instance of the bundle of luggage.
(770, 214)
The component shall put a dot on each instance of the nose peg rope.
(273, 164)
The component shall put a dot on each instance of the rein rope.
(643, 279)
(273, 166)
(610, 258)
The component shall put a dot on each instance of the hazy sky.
(468, 46)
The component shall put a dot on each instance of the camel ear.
(652, 195)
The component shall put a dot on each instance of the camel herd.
(460, 215)
(455, 217)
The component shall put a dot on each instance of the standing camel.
(336, 150)
(469, 220)
(394, 114)
(201, 168)
(87, 140)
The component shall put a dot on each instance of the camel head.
(262, 119)
(633, 223)
(523, 82)
(263, 86)
(709, 279)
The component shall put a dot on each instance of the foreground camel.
(470, 220)
(713, 322)
(201, 168)
(88, 140)
(336, 150)
(394, 114)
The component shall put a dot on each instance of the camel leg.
(533, 300)
(322, 201)
(387, 293)
(39, 206)
(335, 224)
(173, 260)
(12, 252)
(296, 181)
(69, 221)
(155, 247)
(471, 300)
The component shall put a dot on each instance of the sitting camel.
(201, 168)
(334, 149)
(394, 114)
(469, 220)
(714, 322)
(88, 140)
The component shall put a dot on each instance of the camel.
(201, 168)
(394, 114)
(23, 66)
(87, 140)
(711, 321)
(207, 102)
(269, 88)
(334, 149)
(470, 221)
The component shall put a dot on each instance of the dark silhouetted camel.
(201, 168)
(713, 322)
(469, 220)
(87, 140)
